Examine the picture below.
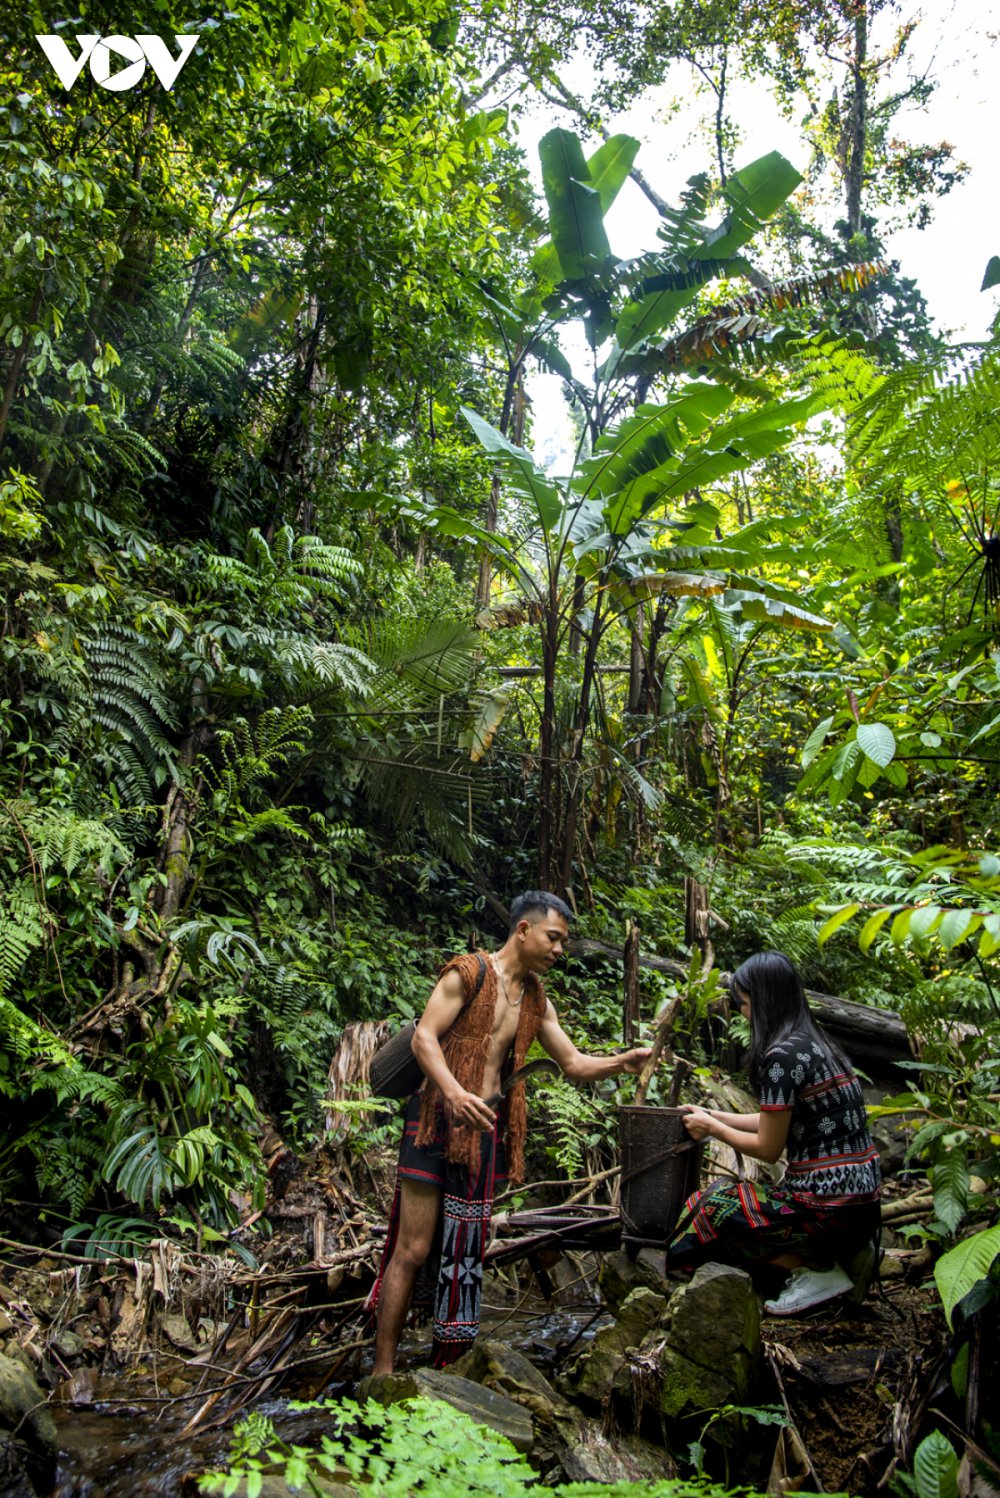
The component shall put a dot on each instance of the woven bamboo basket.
(661, 1166)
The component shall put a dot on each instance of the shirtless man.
(539, 929)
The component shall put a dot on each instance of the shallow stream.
(123, 1447)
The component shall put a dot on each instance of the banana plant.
(630, 523)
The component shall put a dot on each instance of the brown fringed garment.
(466, 1046)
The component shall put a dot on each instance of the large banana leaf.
(766, 603)
(274, 310)
(529, 480)
(641, 320)
(575, 212)
(605, 172)
(609, 167)
(649, 438)
(727, 449)
(754, 193)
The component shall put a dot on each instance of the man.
(484, 1012)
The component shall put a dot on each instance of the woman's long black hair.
(778, 1008)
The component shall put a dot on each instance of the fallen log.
(871, 1037)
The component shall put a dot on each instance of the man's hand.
(467, 1108)
(698, 1121)
(634, 1060)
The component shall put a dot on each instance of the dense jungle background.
(308, 666)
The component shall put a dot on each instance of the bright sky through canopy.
(957, 44)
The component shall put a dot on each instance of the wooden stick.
(920, 1201)
(664, 1027)
(267, 1338)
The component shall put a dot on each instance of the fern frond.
(22, 930)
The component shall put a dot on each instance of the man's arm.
(443, 1008)
(577, 1066)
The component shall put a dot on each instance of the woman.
(826, 1208)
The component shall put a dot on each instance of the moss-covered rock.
(621, 1273)
(594, 1373)
(24, 1413)
(712, 1343)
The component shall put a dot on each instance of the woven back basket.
(661, 1166)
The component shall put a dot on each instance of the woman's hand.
(698, 1121)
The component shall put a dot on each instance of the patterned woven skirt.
(755, 1222)
(449, 1286)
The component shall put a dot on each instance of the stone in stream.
(564, 1433)
(480, 1404)
(495, 1366)
(622, 1457)
(621, 1273)
(276, 1487)
(710, 1343)
(594, 1372)
(29, 1445)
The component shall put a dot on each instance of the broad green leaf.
(873, 926)
(649, 315)
(576, 220)
(900, 926)
(935, 1467)
(814, 742)
(923, 920)
(835, 922)
(963, 1266)
(896, 774)
(754, 193)
(989, 942)
(950, 1185)
(987, 730)
(844, 772)
(878, 742)
(955, 926)
(992, 275)
(530, 480)
(275, 310)
(483, 123)
(610, 165)
(778, 614)
(650, 438)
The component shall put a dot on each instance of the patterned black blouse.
(831, 1157)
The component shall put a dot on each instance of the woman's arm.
(765, 1142)
(747, 1123)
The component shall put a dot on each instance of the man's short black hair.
(538, 903)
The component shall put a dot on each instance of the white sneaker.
(806, 1288)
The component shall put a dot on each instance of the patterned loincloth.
(450, 1284)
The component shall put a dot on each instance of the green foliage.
(935, 1470)
(417, 1446)
(960, 1271)
(573, 1123)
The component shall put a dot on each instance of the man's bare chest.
(506, 1017)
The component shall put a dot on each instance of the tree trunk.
(630, 965)
(512, 418)
(696, 921)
